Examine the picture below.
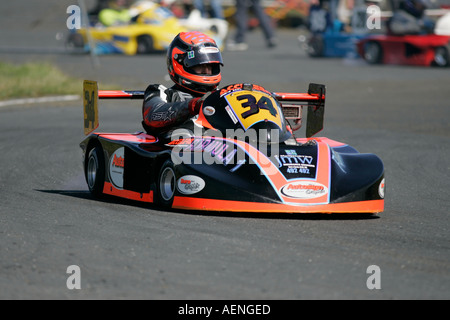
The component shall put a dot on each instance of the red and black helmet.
(189, 49)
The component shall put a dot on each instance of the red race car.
(418, 50)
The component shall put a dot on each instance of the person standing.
(241, 17)
(216, 8)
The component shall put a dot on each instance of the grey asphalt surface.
(125, 250)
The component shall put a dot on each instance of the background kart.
(419, 50)
(414, 49)
(330, 36)
(269, 171)
(153, 31)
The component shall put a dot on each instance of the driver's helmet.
(187, 50)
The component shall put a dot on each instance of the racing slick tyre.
(166, 184)
(373, 52)
(442, 56)
(95, 171)
(144, 44)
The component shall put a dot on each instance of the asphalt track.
(125, 250)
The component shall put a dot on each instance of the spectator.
(241, 17)
(410, 19)
(117, 13)
(216, 8)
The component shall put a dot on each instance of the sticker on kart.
(253, 107)
(116, 167)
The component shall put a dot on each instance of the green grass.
(35, 80)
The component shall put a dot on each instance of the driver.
(193, 62)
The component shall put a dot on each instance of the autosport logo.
(304, 190)
(190, 184)
(118, 161)
(116, 167)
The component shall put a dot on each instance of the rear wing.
(91, 94)
(292, 105)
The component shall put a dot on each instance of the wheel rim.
(167, 184)
(92, 171)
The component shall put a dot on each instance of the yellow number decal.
(252, 107)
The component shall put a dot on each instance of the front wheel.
(442, 57)
(166, 184)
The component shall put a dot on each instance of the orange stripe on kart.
(189, 203)
(138, 138)
(108, 188)
(280, 182)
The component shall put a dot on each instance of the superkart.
(239, 155)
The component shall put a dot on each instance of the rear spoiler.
(292, 105)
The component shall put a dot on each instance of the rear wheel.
(372, 52)
(75, 41)
(442, 56)
(95, 170)
(166, 184)
(316, 46)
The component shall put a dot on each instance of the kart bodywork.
(238, 155)
(329, 36)
(418, 50)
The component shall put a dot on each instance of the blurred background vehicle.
(143, 27)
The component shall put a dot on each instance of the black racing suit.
(165, 108)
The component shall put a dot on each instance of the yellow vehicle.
(152, 29)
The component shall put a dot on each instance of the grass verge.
(35, 80)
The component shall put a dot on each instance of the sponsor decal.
(116, 167)
(231, 114)
(381, 188)
(190, 184)
(304, 190)
(291, 163)
(163, 116)
(240, 86)
(254, 107)
(209, 110)
(207, 50)
(191, 55)
(288, 160)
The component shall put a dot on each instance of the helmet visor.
(203, 53)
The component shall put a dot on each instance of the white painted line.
(15, 102)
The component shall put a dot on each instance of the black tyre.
(373, 52)
(144, 44)
(95, 171)
(442, 57)
(316, 46)
(75, 41)
(166, 184)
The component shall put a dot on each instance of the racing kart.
(329, 35)
(409, 49)
(418, 50)
(151, 30)
(239, 155)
